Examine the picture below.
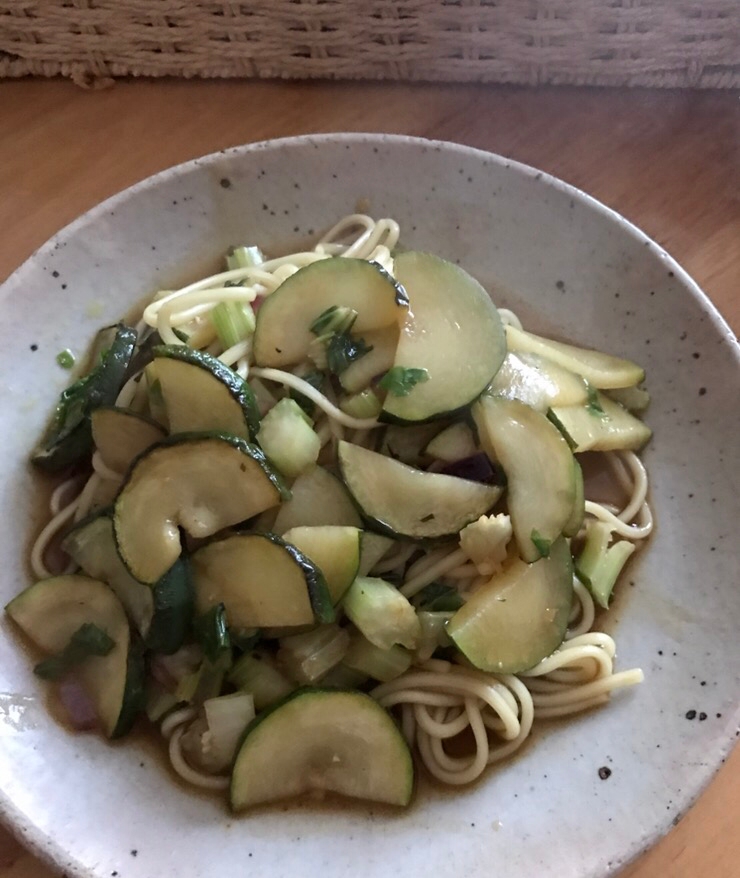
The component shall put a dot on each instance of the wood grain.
(669, 161)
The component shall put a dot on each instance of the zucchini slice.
(347, 745)
(611, 429)
(453, 330)
(262, 581)
(404, 501)
(162, 613)
(69, 436)
(602, 370)
(318, 498)
(575, 522)
(334, 550)
(539, 467)
(538, 382)
(200, 393)
(91, 545)
(519, 617)
(121, 435)
(52, 610)
(283, 333)
(201, 482)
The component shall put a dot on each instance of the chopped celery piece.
(381, 613)
(307, 657)
(256, 673)
(380, 664)
(243, 257)
(233, 321)
(364, 404)
(287, 438)
(433, 633)
(599, 565)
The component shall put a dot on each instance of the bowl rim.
(31, 836)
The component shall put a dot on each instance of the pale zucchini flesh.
(401, 500)
(202, 482)
(262, 581)
(334, 550)
(454, 443)
(200, 393)
(52, 610)
(383, 343)
(120, 436)
(538, 382)
(348, 745)
(453, 330)
(374, 549)
(519, 617)
(601, 370)
(611, 429)
(539, 467)
(318, 498)
(283, 334)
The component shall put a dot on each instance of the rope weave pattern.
(668, 43)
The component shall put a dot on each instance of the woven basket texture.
(687, 43)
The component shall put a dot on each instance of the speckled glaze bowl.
(568, 266)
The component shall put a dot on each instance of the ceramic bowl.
(568, 266)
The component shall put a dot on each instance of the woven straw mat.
(690, 43)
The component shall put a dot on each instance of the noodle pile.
(436, 700)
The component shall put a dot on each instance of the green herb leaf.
(400, 381)
(212, 633)
(88, 640)
(593, 405)
(540, 543)
(66, 359)
(342, 350)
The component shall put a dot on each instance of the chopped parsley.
(332, 329)
(342, 350)
(594, 404)
(400, 381)
(540, 543)
(88, 640)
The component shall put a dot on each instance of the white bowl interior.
(568, 266)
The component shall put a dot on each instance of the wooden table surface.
(668, 160)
